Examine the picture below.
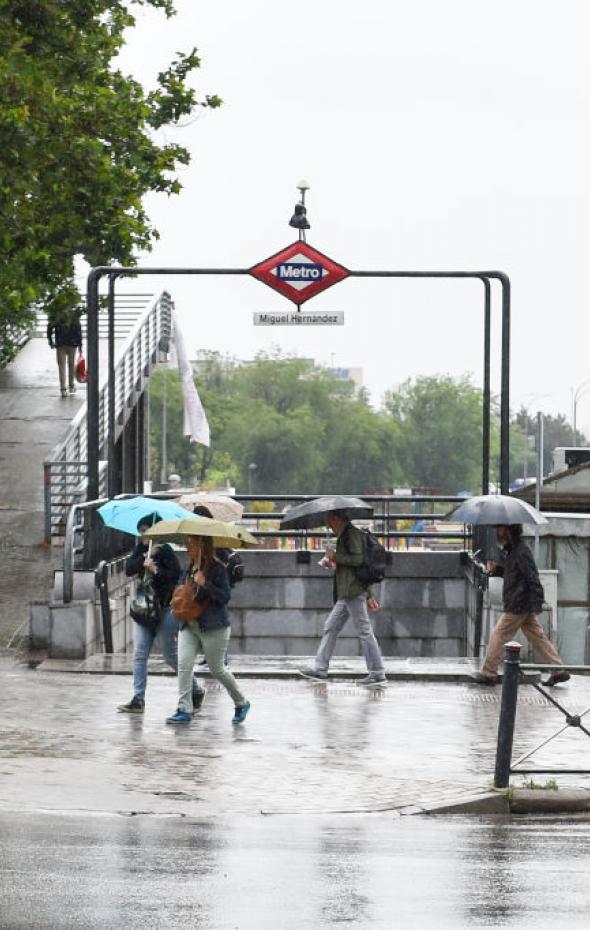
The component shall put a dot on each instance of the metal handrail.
(147, 340)
(74, 526)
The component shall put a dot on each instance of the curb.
(512, 801)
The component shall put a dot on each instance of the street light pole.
(576, 395)
(539, 482)
(251, 467)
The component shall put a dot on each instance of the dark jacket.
(166, 578)
(523, 592)
(348, 556)
(217, 592)
(62, 334)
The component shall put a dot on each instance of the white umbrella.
(221, 506)
(496, 510)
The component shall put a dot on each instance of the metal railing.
(505, 766)
(88, 541)
(381, 521)
(65, 471)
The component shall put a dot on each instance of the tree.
(77, 148)
(556, 432)
(440, 420)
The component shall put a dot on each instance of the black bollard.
(507, 714)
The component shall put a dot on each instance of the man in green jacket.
(350, 600)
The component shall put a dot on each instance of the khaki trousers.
(66, 355)
(506, 628)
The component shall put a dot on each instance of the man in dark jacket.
(66, 339)
(351, 598)
(164, 571)
(523, 598)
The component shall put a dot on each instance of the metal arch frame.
(113, 272)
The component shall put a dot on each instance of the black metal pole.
(101, 576)
(92, 384)
(111, 484)
(505, 397)
(507, 714)
(485, 468)
(92, 290)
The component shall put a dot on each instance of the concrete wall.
(280, 609)
(281, 606)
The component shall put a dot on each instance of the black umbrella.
(313, 513)
(496, 510)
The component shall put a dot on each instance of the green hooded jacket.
(348, 557)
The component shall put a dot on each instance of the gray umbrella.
(496, 510)
(313, 513)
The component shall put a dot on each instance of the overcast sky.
(434, 135)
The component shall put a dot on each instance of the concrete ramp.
(33, 417)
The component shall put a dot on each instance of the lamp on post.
(299, 219)
(251, 468)
(576, 395)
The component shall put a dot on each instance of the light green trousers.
(212, 643)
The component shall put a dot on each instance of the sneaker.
(480, 679)
(313, 673)
(64, 393)
(241, 712)
(373, 680)
(135, 706)
(179, 717)
(556, 678)
(198, 698)
(73, 388)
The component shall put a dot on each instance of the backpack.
(372, 571)
(144, 608)
(235, 568)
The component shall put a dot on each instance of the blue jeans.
(143, 641)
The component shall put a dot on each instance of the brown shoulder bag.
(183, 603)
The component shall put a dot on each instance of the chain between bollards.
(507, 714)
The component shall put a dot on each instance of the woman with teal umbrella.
(159, 570)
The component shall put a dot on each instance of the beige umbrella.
(221, 506)
(225, 535)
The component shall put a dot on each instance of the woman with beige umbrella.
(200, 605)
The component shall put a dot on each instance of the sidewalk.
(305, 748)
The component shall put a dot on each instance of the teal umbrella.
(125, 514)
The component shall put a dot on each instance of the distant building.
(355, 375)
(568, 491)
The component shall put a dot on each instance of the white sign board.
(299, 318)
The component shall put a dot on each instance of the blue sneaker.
(179, 717)
(241, 712)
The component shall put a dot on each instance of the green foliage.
(77, 148)
(302, 428)
(308, 432)
(556, 432)
(440, 419)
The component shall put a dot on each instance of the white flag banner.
(195, 419)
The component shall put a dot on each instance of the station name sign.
(299, 318)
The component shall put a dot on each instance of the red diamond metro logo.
(299, 272)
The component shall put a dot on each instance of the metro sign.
(299, 272)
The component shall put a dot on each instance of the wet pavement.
(298, 816)
(237, 873)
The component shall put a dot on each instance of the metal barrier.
(88, 541)
(66, 470)
(510, 682)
